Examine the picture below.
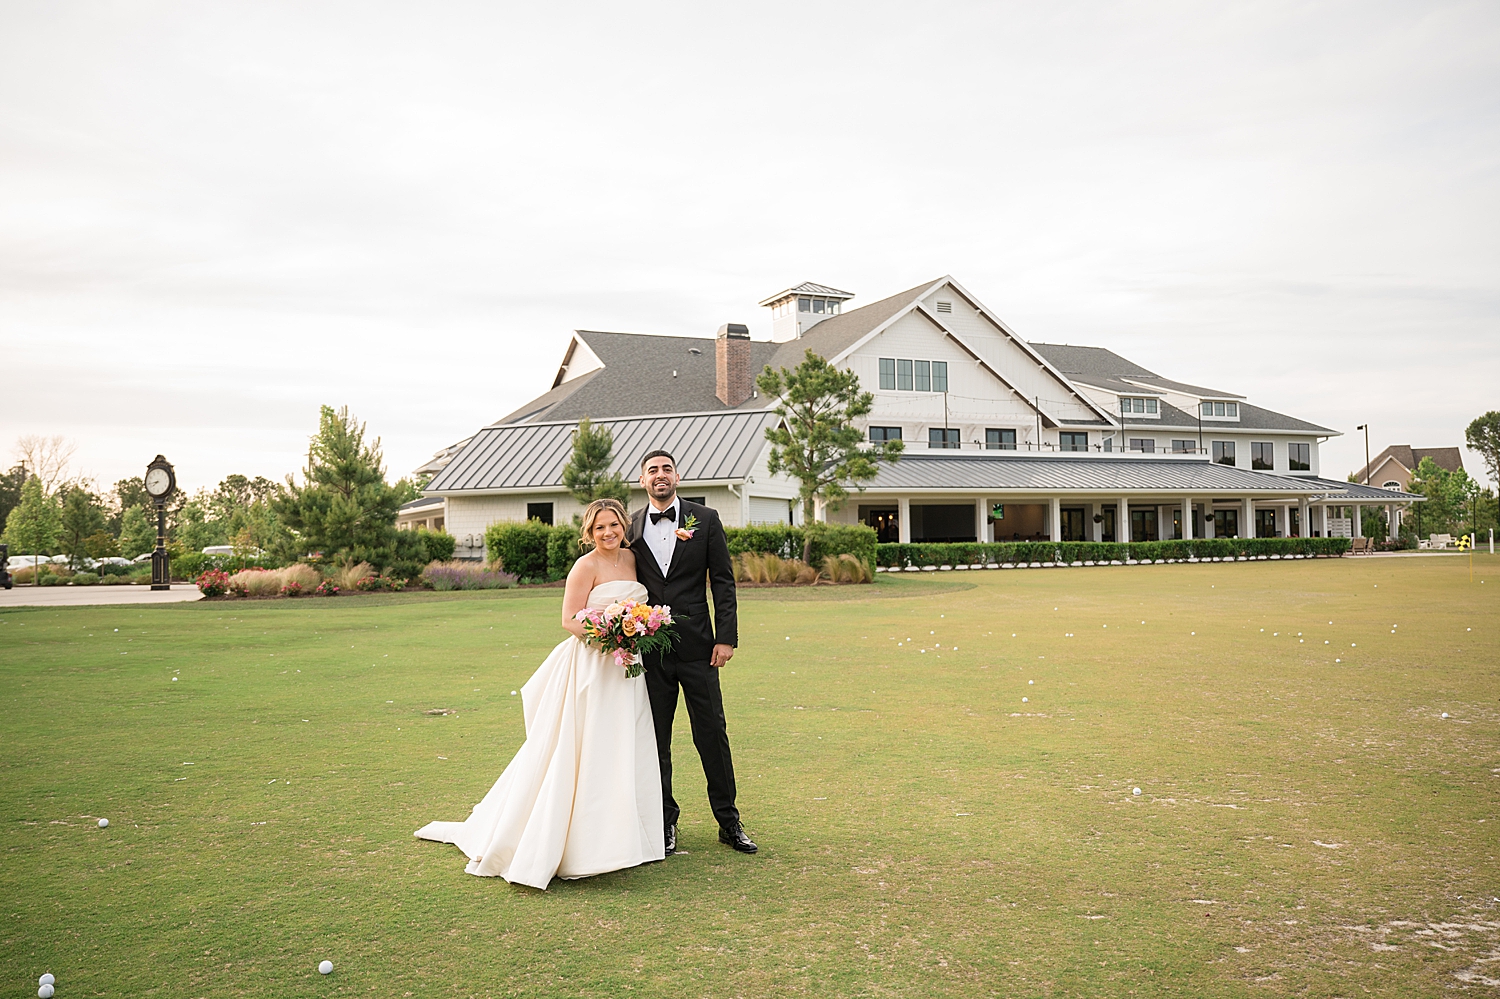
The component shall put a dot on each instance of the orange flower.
(628, 626)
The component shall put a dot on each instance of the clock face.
(158, 481)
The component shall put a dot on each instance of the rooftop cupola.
(798, 309)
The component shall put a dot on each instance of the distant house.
(1394, 467)
(1005, 439)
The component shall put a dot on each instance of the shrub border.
(1054, 554)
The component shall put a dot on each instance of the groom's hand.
(722, 655)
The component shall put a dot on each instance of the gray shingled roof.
(833, 336)
(707, 446)
(1108, 370)
(1064, 473)
(1105, 368)
(638, 378)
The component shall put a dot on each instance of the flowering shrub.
(466, 576)
(291, 588)
(380, 584)
(327, 588)
(214, 583)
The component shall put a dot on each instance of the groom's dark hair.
(659, 453)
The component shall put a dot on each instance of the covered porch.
(1022, 498)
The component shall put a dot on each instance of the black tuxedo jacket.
(697, 564)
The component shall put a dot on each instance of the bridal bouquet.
(626, 630)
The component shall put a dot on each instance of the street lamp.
(1366, 428)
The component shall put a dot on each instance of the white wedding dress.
(583, 794)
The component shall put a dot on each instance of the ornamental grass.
(459, 575)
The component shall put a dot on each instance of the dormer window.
(819, 306)
(1222, 410)
(1131, 404)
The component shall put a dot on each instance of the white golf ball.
(47, 979)
(45, 992)
(1135, 790)
(326, 968)
(104, 823)
(1445, 714)
(1023, 700)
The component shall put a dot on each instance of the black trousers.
(699, 683)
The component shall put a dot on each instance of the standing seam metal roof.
(707, 446)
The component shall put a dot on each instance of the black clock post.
(161, 482)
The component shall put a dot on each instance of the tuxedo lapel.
(643, 552)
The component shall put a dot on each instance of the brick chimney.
(732, 364)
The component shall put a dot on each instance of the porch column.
(1392, 532)
(1208, 520)
(1304, 518)
(981, 517)
(1247, 515)
(1357, 527)
(1096, 527)
(1122, 521)
(1187, 518)
(903, 520)
(1054, 509)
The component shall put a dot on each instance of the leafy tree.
(82, 516)
(10, 490)
(817, 442)
(1452, 499)
(33, 526)
(137, 530)
(344, 509)
(102, 544)
(1483, 436)
(587, 474)
(195, 528)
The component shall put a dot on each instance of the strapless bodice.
(605, 594)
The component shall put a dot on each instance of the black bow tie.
(670, 513)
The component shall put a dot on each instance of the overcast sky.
(215, 217)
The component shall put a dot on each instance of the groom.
(679, 546)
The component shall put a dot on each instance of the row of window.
(1220, 409)
(995, 438)
(902, 375)
(1131, 404)
(1262, 453)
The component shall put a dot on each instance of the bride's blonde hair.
(591, 513)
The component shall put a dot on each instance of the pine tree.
(33, 526)
(587, 474)
(816, 442)
(344, 509)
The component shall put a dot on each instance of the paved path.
(83, 596)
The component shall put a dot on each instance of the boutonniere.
(688, 528)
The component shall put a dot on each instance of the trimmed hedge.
(191, 565)
(786, 542)
(535, 552)
(975, 553)
(520, 546)
(439, 544)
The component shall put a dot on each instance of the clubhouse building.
(1005, 439)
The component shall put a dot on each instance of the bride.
(583, 794)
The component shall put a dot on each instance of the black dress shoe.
(671, 840)
(735, 837)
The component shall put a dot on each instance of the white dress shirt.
(660, 536)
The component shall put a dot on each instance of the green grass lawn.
(1308, 822)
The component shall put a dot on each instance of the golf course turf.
(1308, 822)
